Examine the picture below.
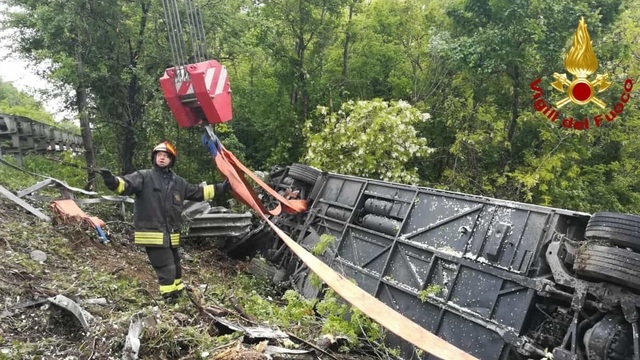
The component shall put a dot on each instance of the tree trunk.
(345, 47)
(300, 97)
(515, 112)
(302, 84)
(128, 146)
(133, 114)
(85, 124)
(135, 105)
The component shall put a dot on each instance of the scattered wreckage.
(498, 279)
(84, 324)
(204, 221)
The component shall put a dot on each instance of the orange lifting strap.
(235, 171)
(380, 312)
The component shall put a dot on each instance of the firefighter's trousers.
(166, 263)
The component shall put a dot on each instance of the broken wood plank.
(34, 188)
(254, 332)
(22, 203)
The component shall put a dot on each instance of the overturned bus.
(498, 279)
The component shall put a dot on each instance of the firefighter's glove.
(110, 181)
(222, 188)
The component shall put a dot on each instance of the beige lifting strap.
(374, 308)
(388, 318)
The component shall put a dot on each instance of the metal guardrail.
(19, 134)
(206, 221)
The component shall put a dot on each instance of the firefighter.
(160, 195)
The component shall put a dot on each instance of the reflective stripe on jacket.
(155, 238)
(160, 196)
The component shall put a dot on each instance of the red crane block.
(204, 94)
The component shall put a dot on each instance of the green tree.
(469, 63)
(375, 139)
(59, 32)
(14, 102)
(597, 169)
(111, 55)
(390, 55)
(499, 47)
(296, 35)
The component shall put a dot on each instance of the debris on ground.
(65, 295)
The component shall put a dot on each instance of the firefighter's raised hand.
(110, 181)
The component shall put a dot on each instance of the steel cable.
(167, 24)
(199, 32)
(170, 34)
(177, 41)
(181, 43)
(176, 37)
(192, 35)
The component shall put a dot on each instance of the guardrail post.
(19, 157)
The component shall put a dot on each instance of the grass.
(79, 267)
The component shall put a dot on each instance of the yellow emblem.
(581, 62)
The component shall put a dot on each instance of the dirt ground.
(81, 268)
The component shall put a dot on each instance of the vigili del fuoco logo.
(580, 62)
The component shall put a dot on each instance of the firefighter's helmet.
(166, 147)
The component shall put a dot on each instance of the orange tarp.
(69, 209)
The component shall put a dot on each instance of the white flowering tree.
(374, 139)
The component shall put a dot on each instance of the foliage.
(321, 246)
(12, 178)
(342, 319)
(296, 35)
(376, 68)
(330, 315)
(431, 290)
(77, 265)
(467, 63)
(14, 102)
(375, 139)
(65, 166)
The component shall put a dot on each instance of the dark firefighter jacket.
(160, 196)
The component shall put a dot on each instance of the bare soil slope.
(81, 268)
